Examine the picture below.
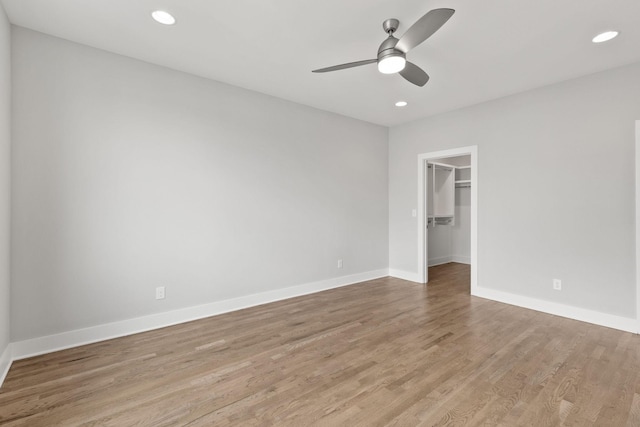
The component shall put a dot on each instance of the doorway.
(637, 164)
(428, 166)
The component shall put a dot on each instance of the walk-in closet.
(449, 210)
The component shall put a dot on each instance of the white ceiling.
(488, 49)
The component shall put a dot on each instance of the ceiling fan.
(392, 52)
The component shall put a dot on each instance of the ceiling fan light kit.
(392, 53)
(391, 64)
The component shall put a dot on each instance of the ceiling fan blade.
(414, 74)
(343, 66)
(423, 28)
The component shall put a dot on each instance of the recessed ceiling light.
(163, 17)
(401, 104)
(606, 36)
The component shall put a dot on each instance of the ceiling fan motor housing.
(388, 48)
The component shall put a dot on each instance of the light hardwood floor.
(384, 352)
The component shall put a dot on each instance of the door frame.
(637, 167)
(471, 150)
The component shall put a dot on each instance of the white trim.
(64, 340)
(422, 232)
(474, 219)
(422, 227)
(5, 363)
(440, 260)
(461, 259)
(562, 310)
(637, 166)
(404, 275)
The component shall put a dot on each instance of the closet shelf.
(445, 166)
(434, 220)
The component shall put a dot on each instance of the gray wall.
(5, 138)
(129, 176)
(556, 189)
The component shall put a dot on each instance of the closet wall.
(452, 243)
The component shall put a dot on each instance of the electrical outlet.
(339, 263)
(160, 292)
(557, 284)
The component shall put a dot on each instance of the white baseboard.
(5, 363)
(575, 313)
(432, 262)
(404, 275)
(461, 259)
(447, 259)
(64, 340)
(47, 344)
